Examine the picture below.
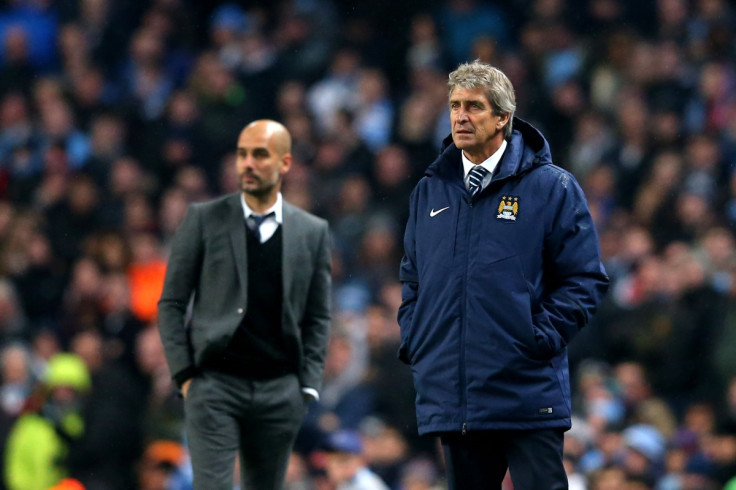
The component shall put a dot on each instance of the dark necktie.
(475, 179)
(256, 220)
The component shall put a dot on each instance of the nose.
(246, 161)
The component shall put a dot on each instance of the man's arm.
(409, 278)
(315, 325)
(182, 275)
(575, 279)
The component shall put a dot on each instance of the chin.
(257, 191)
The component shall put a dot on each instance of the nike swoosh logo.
(434, 213)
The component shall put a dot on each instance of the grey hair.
(497, 86)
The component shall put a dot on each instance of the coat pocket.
(500, 306)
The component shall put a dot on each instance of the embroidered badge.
(508, 208)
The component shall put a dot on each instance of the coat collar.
(526, 149)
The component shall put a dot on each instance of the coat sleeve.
(575, 280)
(182, 277)
(315, 324)
(409, 277)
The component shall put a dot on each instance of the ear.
(503, 121)
(285, 163)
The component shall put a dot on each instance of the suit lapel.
(236, 222)
(290, 235)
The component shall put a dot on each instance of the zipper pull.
(465, 429)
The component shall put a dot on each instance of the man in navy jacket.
(501, 269)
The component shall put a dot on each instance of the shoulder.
(217, 204)
(558, 173)
(33, 423)
(305, 217)
(554, 178)
(215, 213)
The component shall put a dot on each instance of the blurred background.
(115, 115)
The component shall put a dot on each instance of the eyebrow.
(460, 100)
(255, 148)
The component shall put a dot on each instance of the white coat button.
(240, 311)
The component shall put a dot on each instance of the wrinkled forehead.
(463, 94)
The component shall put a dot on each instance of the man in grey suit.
(256, 271)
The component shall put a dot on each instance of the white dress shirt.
(270, 224)
(489, 164)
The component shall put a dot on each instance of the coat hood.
(526, 149)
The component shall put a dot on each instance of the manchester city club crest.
(508, 208)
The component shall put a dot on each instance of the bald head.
(274, 133)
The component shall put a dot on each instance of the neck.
(482, 156)
(260, 204)
(474, 157)
(478, 158)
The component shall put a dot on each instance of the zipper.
(464, 327)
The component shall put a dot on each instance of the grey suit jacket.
(207, 266)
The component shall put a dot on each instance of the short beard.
(259, 191)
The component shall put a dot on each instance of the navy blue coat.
(495, 289)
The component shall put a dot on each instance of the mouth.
(249, 179)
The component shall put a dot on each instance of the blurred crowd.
(115, 115)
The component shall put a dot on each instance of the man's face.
(475, 128)
(259, 164)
